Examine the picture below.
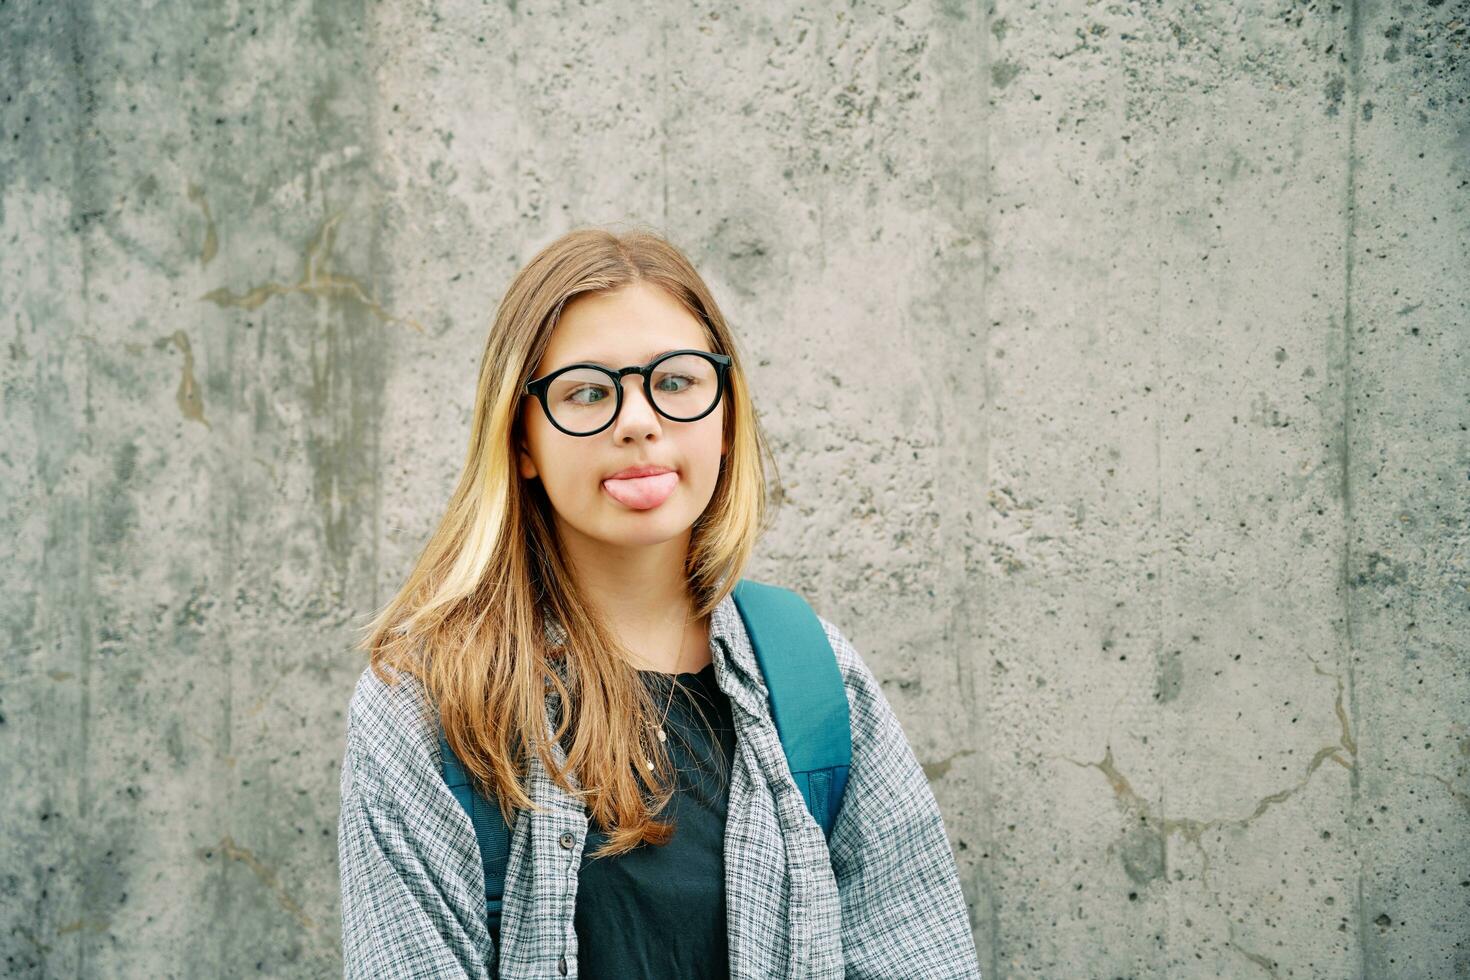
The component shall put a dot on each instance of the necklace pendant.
(661, 737)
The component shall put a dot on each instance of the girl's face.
(630, 325)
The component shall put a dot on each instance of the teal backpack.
(808, 704)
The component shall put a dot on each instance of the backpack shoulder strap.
(491, 832)
(808, 697)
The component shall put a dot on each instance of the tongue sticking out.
(643, 492)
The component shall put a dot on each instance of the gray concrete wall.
(1115, 357)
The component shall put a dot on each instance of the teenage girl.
(570, 625)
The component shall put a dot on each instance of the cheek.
(555, 455)
(703, 450)
(566, 474)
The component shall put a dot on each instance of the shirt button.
(561, 965)
(567, 841)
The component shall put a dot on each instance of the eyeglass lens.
(582, 399)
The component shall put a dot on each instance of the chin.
(641, 527)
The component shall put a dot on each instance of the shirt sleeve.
(903, 911)
(394, 920)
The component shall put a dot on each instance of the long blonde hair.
(468, 622)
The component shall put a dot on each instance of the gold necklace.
(663, 721)
(647, 762)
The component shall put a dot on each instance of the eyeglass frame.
(537, 386)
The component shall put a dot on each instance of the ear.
(526, 464)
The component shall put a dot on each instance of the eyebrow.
(605, 361)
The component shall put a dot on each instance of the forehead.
(631, 325)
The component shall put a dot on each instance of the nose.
(637, 418)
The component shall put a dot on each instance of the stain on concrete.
(940, 768)
(1168, 676)
(318, 279)
(117, 513)
(1381, 572)
(1336, 87)
(174, 742)
(190, 399)
(210, 246)
(1003, 73)
(1141, 851)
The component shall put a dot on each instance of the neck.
(642, 594)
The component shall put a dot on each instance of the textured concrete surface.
(1116, 358)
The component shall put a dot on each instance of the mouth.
(647, 469)
(645, 489)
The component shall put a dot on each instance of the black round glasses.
(583, 399)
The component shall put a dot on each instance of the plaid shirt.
(881, 899)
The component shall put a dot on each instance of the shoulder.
(876, 730)
(855, 671)
(392, 730)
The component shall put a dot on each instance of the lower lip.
(644, 492)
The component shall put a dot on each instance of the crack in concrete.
(29, 935)
(1265, 963)
(1464, 798)
(317, 279)
(1193, 830)
(245, 856)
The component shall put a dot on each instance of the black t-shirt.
(659, 911)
